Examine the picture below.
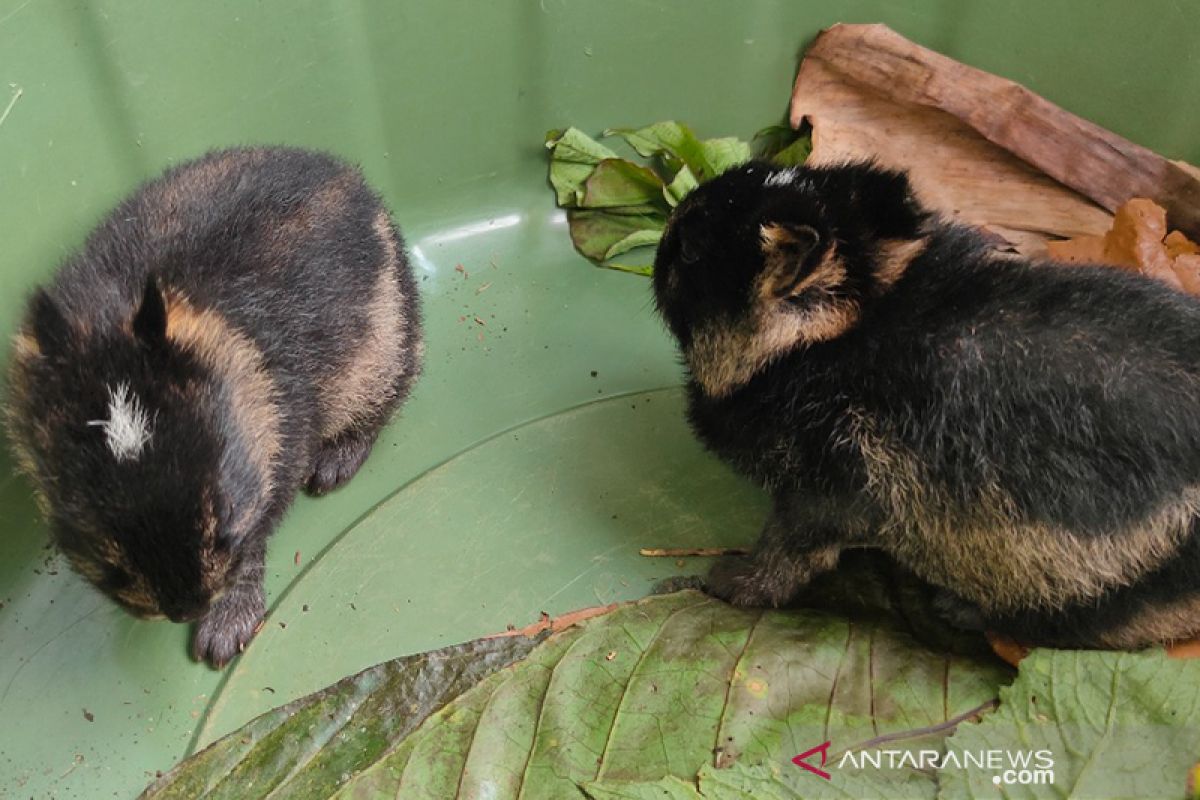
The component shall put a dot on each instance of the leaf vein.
(737, 662)
(632, 674)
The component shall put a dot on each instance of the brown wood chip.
(545, 622)
(686, 552)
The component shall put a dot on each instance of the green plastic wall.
(545, 445)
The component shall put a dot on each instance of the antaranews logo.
(1008, 767)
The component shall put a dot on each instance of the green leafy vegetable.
(783, 145)
(678, 692)
(1114, 724)
(596, 233)
(575, 157)
(635, 239)
(616, 182)
(795, 153)
(678, 188)
(679, 147)
(601, 191)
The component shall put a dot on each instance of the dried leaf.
(1136, 236)
(1079, 154)
(952, 167)
(1138, 241)
(1187, 270)
(1179, 245)
(1080, 250)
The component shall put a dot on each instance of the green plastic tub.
(545, 443)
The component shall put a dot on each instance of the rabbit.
(1023, 435)
(237, 329)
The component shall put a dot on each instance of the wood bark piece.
(978, 147)
(555, 624)
(686, 552)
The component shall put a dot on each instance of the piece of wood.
(687, 552)
(555, 624)
(1008, 650)
(952, 168)
(1184, 650)
(863, 86)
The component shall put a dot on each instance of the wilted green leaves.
(617, 207)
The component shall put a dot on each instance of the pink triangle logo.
(823, 749)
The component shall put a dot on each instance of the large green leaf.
(652, 690)
(307, 747)
(760, 782)
(1114, 725)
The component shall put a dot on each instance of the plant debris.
(617, 206)
(547, 623)
(642, 692)
(977, 147)
(1138, 240)
(685, 552)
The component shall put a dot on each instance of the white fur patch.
(127, 428)
(781, 178)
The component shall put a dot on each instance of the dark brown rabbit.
(237, 329)
(1024, 435)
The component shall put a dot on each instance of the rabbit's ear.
(50, 326)
(786, 249)
(150, 322)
